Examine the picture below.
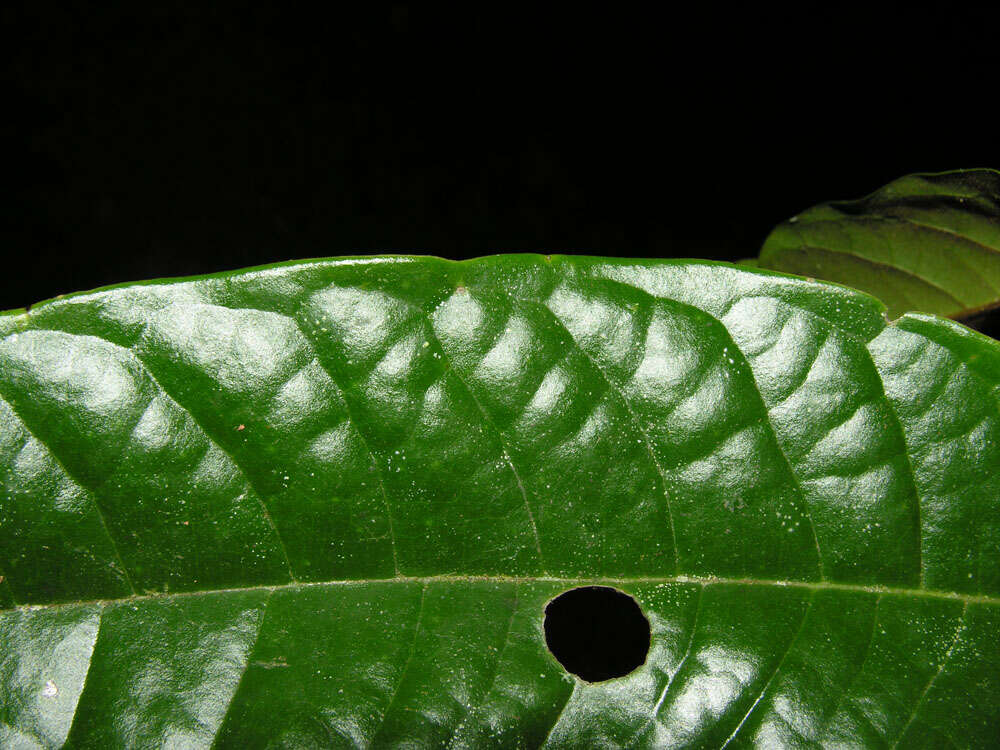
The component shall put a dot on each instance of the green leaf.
(325, 504)
(926, 243)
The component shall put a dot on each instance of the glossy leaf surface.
(325, 504)
(926, 242)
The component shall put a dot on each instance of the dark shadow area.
(170, 139)
(597, 632)
(986, 321)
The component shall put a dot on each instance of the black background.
(149, 140)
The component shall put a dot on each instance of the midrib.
(571, 582)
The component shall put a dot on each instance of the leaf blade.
(427, 415)
(923, 243)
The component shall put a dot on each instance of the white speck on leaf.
(50, 690)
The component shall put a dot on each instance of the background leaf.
(926, 243)
(326, 503)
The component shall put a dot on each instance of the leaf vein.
(986, 599)
(766, 419)
(246, 477)
(930, 683)
(774, 674)
(647, 441)
(406, 664)
(91, 495)
(246, 667)
(670, 680)
(504, 447)
(861, 666)
(468, 712)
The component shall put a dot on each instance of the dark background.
(149, 140)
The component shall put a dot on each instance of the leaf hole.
(597, 632)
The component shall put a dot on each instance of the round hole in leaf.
(596, 632)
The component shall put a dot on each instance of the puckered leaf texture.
(324, 504)
(926, 242)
